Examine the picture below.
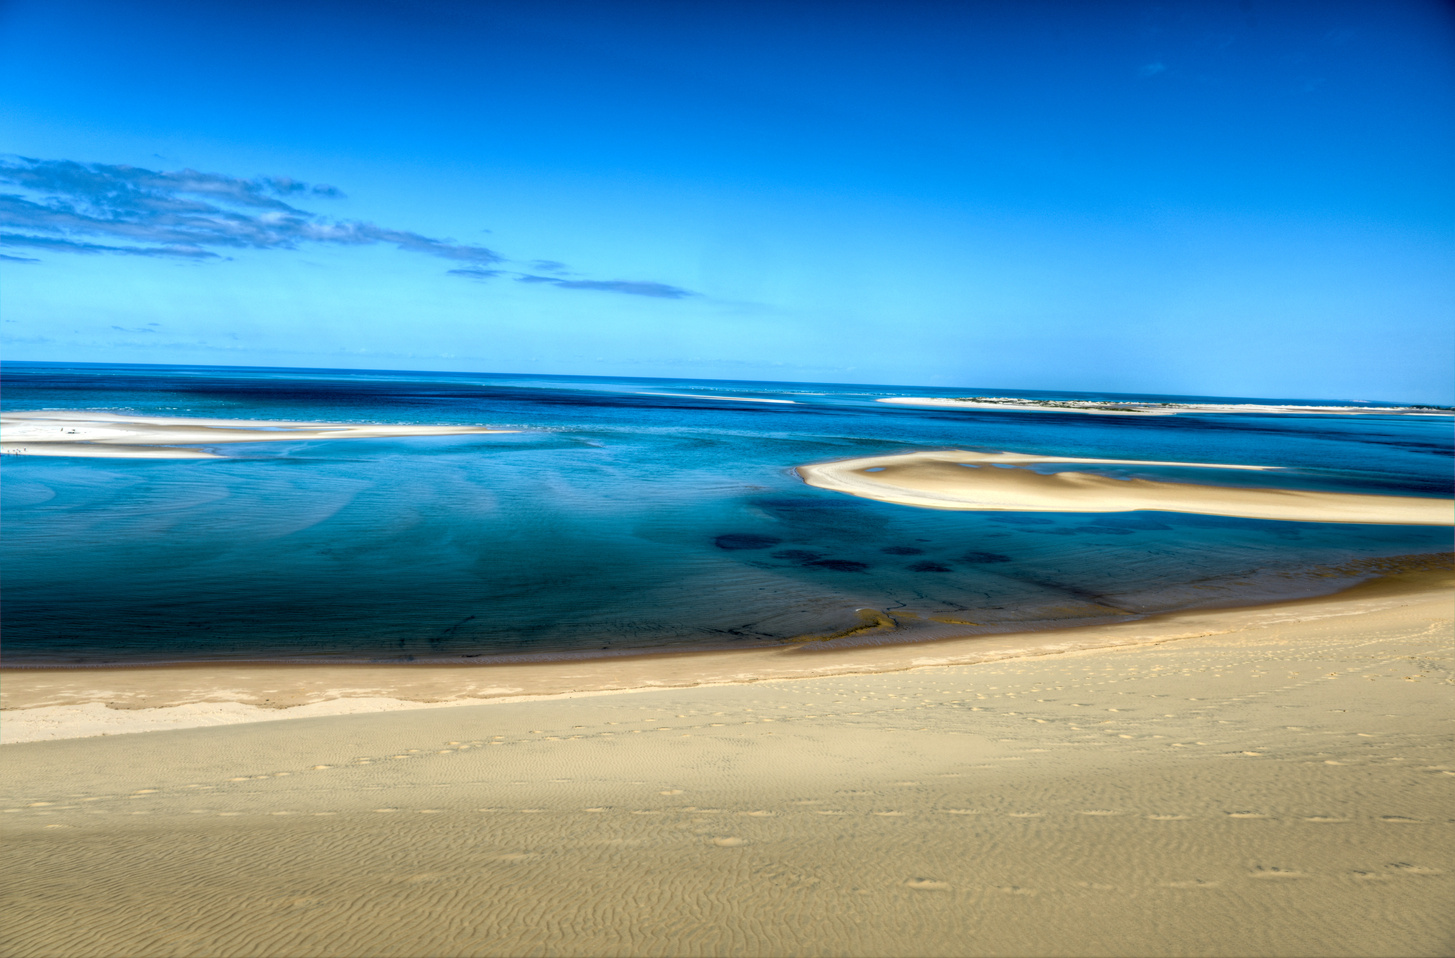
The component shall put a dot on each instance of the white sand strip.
(961, 480)
(112, 435)
(1120, 408)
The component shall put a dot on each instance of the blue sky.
(1202, 198)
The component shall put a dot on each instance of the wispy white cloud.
(63, 206)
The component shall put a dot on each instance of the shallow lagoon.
(621, 517)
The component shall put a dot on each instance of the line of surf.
(720, 398)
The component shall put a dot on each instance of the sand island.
(1007, 482)
(57, 432)
(1102, 407)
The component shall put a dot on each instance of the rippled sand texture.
(1283, 790)
(1000, 482)
(113, 436)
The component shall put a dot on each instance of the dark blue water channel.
(620, 517)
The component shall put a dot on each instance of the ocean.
(632, 514)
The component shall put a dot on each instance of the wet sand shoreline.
(39, 703)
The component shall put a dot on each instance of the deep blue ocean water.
(621, 518)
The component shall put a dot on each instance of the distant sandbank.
(117, 436)
(1121, 408)
(999, 482)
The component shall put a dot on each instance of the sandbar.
(1098, 407)
(1002, 482)
(94, 434)
(1271, 782)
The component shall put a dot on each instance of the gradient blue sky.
(1221, 198)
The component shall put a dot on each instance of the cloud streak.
(63, 206)
(186, 213)
(629, 287)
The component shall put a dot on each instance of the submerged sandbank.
(999, 482)
(1101, 407)
(117, 436)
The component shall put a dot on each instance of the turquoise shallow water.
(622, 518)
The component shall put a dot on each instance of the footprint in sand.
(728, 841)
(1167, 818)
(1325, 819)
(1246, 815)
(1275, 874)
(927, 884)
(1399, 820)
(1098, 812)
(671, 791)
(1024, 814)
(961, 811)
(1405, 868)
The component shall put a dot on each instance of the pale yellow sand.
(114, 436)
(963, 480)
(1278, 786)
(1112, 408)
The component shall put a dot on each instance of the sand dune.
(115, 436)
(964, 480)
(1276, 788)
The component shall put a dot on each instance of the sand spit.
(998, 482)
(116, 436)
(1117, 408)
(1272, 787)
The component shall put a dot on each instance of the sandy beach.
(966, 480)
(115, 436)
(1269, 781)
